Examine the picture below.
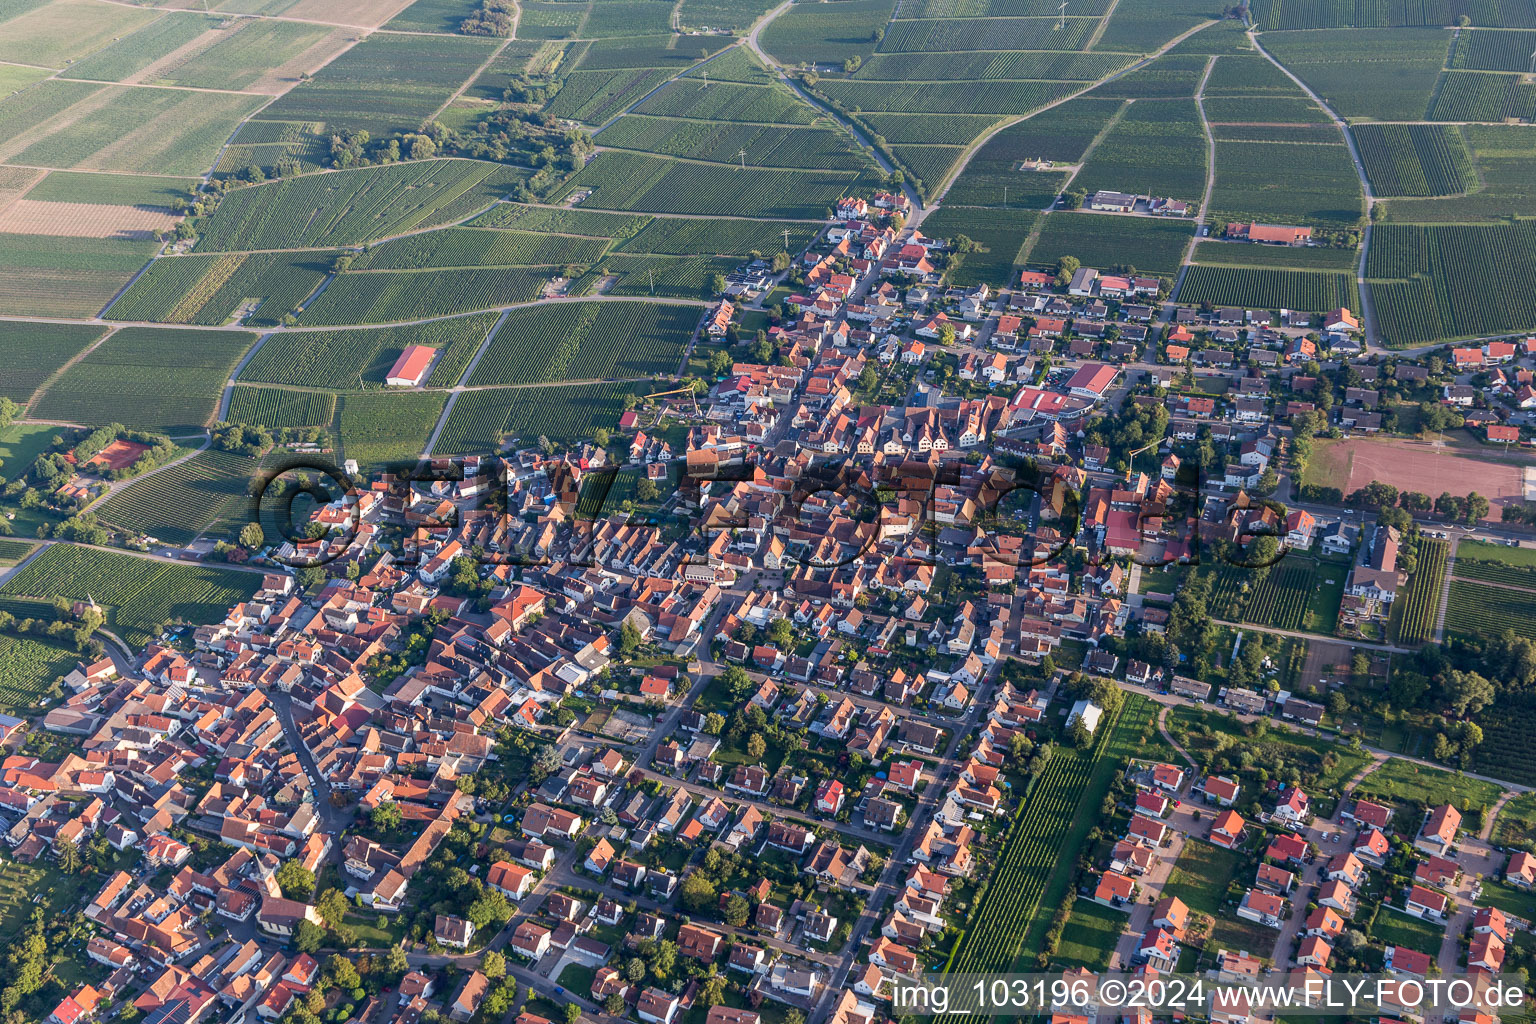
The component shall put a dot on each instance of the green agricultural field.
(21, 444)
(587, 341)
(1414, 159)
(1492, 50)
(1262, 288)
(728, 101)
(1419, 295)
(352, 207)
(1287, 183)
(397, 296)
(133, 53)
(1169, 77)
(1335, 14)
(1216, 252)
(29, 667)
(151, 378)
(947, 35)
(211, 289)
(999, 233)
(46, 275)
(672, 236)
(595, 96)
(1496, 563)
(114, 128)
(637, 182)
(1482, 96)
(720, 15)
(1504, 158)
(54, 34)
(662, 277)
(360, 359)
(281, 407)
(110, 189)
(139, 593)
(1403, 783)
(1413, 618)
(1061, 134)
(246, 53)
(481, 421)
(990, 97)
(1505, 752)
(386, 427)
(387, 83)
(478, 247)
(1156, 148)
(832, 32)
(177, 503)
(1141, 26)
(13, 551)
(729, 142)
(1476, 609)
(433, 16)
(560, 221)
(1044, 65)
(31, 353)
(1381, 74)
(1104, 241)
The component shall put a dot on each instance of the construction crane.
(1130, 459)
(678, 391)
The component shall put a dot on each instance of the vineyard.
(349, 207)
(595, 96)
(1414, 614)
(482, 420)
(592, 223)
(209, 290)
(1506, 748)
(13, 551)
(1214, 252)
(1151, 246)
(384, 427)
(280, 407)
(1482, 96)
(1159, 146)
(1040, 850)
(178, 503)
(827, 32)
(728, 101)
(1414, 159)
(1423, 293)
(387, 83)
(679, 236)
(1492, 50)
(1287, 183)
(950, 34)
(1387, 74)
(999, 97)
(395, 296)
(1261, 288)
(665, 277)
(360, 359)
(1000, 233)
(758, 145)
(66, 277)
(152, 378)
(31, 353)
(1298, 14)
(587, 341)
(1477, 609)
(28, 669)
(1495, 563)
(477, 247)
(139, 593)
(636, 181)
(1060, 134)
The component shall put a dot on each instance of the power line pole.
(786, 239)
(1061, 22)
(743, 155)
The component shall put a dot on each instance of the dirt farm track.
(1422, 466)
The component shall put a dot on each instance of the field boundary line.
(1210, 179)
(53, 377)
(442, 418)
(958, 168)
(1098, 33)
(222, 412)
(1367, 311)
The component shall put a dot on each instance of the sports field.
(1411, 465)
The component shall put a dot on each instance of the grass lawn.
(25, 886)
(1406, 782)
(1327, 592)
(1091, 935)
(20, 444)
(1233, 933)
(1508, 899)
(1201, 875)
(1394, 928)
(1516, 822)
(1278, 740)
(370, 934)
(577, 978)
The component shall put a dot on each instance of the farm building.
(411, 368)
